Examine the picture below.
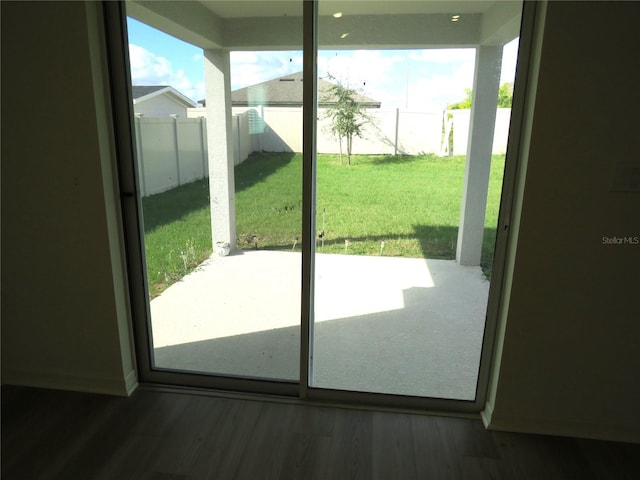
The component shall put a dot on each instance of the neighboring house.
(160, 101)
(286, 91)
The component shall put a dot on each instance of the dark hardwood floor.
(163, 435)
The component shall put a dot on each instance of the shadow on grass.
(258, 167)
(397, 159)
(436, 242)
(167, 207)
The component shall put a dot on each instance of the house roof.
(286, 91)
(142, 93)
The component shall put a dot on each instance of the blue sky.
(417, 79)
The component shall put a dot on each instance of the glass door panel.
(220, 169)
(413, 113)
(407, 157)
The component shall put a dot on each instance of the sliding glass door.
(221, 195)
(318, 198)
(408, 182)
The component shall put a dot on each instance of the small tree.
(347, 116)
(462, 104)
(505, 94)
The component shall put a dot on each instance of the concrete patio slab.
(382, 324)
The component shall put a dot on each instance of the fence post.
(446, 146)
(395, 144)
(175, 131)
(203, 150)
(264, 128)
(239, 141)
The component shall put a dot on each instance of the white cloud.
(378, 74)
(244, 57)
(435, 92)
(448, 55)
(249, 68)
(417, 79)
(147, 68)
(199, 91)
(360, 68)
(421, 79)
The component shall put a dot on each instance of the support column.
(217, 78)
(476, 178)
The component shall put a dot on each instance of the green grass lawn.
(177, 227)
(412, 204)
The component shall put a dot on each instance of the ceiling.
(249, 25)
(278, 8)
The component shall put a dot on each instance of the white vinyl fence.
(390, 131)
(459, 121)
(172, 151)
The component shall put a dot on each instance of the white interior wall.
(65, 314)
(568, 358)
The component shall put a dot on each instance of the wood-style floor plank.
(350, 455)
(393, 453)
(167, 435)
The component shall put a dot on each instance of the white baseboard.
(486, 415)
(131, 382)
(63, 381)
